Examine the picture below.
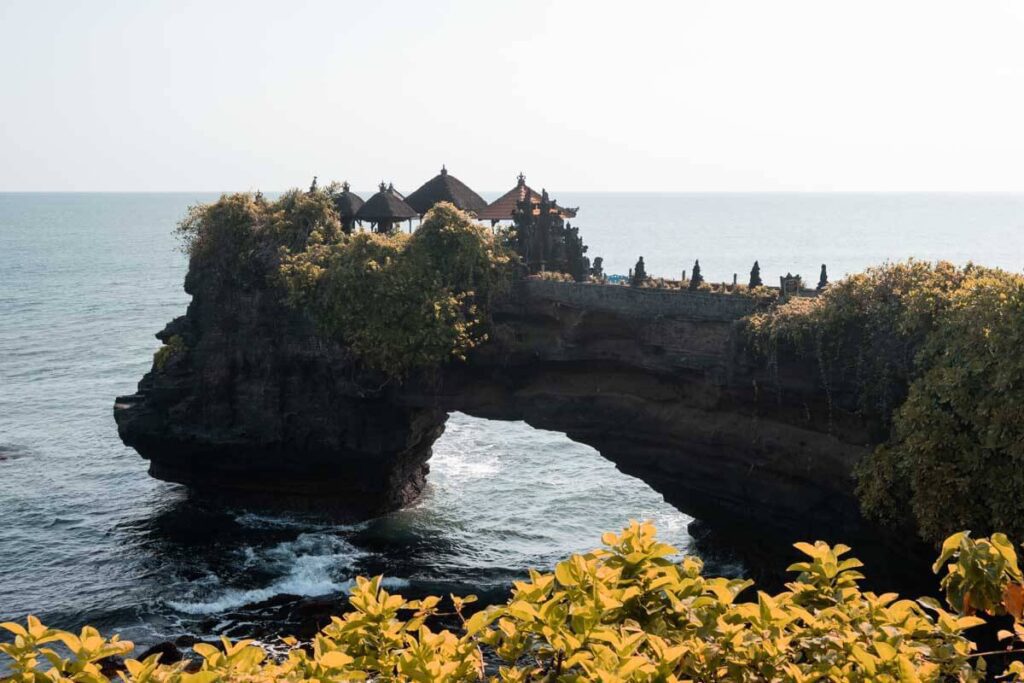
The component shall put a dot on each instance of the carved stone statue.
(755, 276)
(696, 279)
(823, 278)
(639, 273)
(790, 284)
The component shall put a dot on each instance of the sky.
(683, 95)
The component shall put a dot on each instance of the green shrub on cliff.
(398, 302)
(174, 347)
(958, 442)
(933, 352)
(402, 302)
(233, 237)
(625, 612)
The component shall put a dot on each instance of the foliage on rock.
(174, 347)
(629, 611)
(958, 442)
(399, 302)
(402, 302)
(233, 237)
(864, 330)
(933, 352)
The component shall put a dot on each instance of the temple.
(537, 227)
(347, 204)
(540, 232)
(505, 207)
(545, 240)
(386, 208)
(445, 188)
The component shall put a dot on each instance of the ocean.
(86, 536)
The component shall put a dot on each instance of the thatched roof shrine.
(347, 203)
(386, 208)
(445, 188)
(502, 208)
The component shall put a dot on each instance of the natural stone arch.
(656, 381)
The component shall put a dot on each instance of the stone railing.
(643, 302)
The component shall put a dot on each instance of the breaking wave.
(313, 565)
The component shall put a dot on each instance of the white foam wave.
(257, 520)
(311, 564)
(289, 586)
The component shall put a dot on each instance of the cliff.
(257, 404)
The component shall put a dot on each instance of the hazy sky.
(678, 95)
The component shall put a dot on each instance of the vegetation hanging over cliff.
(232, 237)
(402, 302)
(399, 302)
(625, 612)
(934, 353)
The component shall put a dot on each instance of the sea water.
(86, 536)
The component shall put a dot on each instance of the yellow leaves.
(35, 628)
(949, 546)
(15, 628)
(564, 574)
(813, 551)
(864, 659)
(478, 622)
(726, 590)
(206, 651)
(596, 617)
(885, 651)
(522, 610)
(199, 677)
(964, 623)
(1005, 549)
(335, 660)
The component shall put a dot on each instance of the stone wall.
(643, 302)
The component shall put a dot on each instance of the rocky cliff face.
(258, 405)
(659, 383)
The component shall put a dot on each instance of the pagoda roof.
(386, 205)
(347, 203)
(502, 208)
(445, 188)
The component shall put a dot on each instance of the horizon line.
(647, 192)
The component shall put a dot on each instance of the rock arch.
(657, 381)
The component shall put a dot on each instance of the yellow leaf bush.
(630, 611)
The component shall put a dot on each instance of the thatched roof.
(501, 209)
(445, 188)
(385, 206)
(347, 203)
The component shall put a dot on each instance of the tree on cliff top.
(402, 302)
(398, 302)
(237, 235)
(933, 352)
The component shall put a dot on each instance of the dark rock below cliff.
(259, 406)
